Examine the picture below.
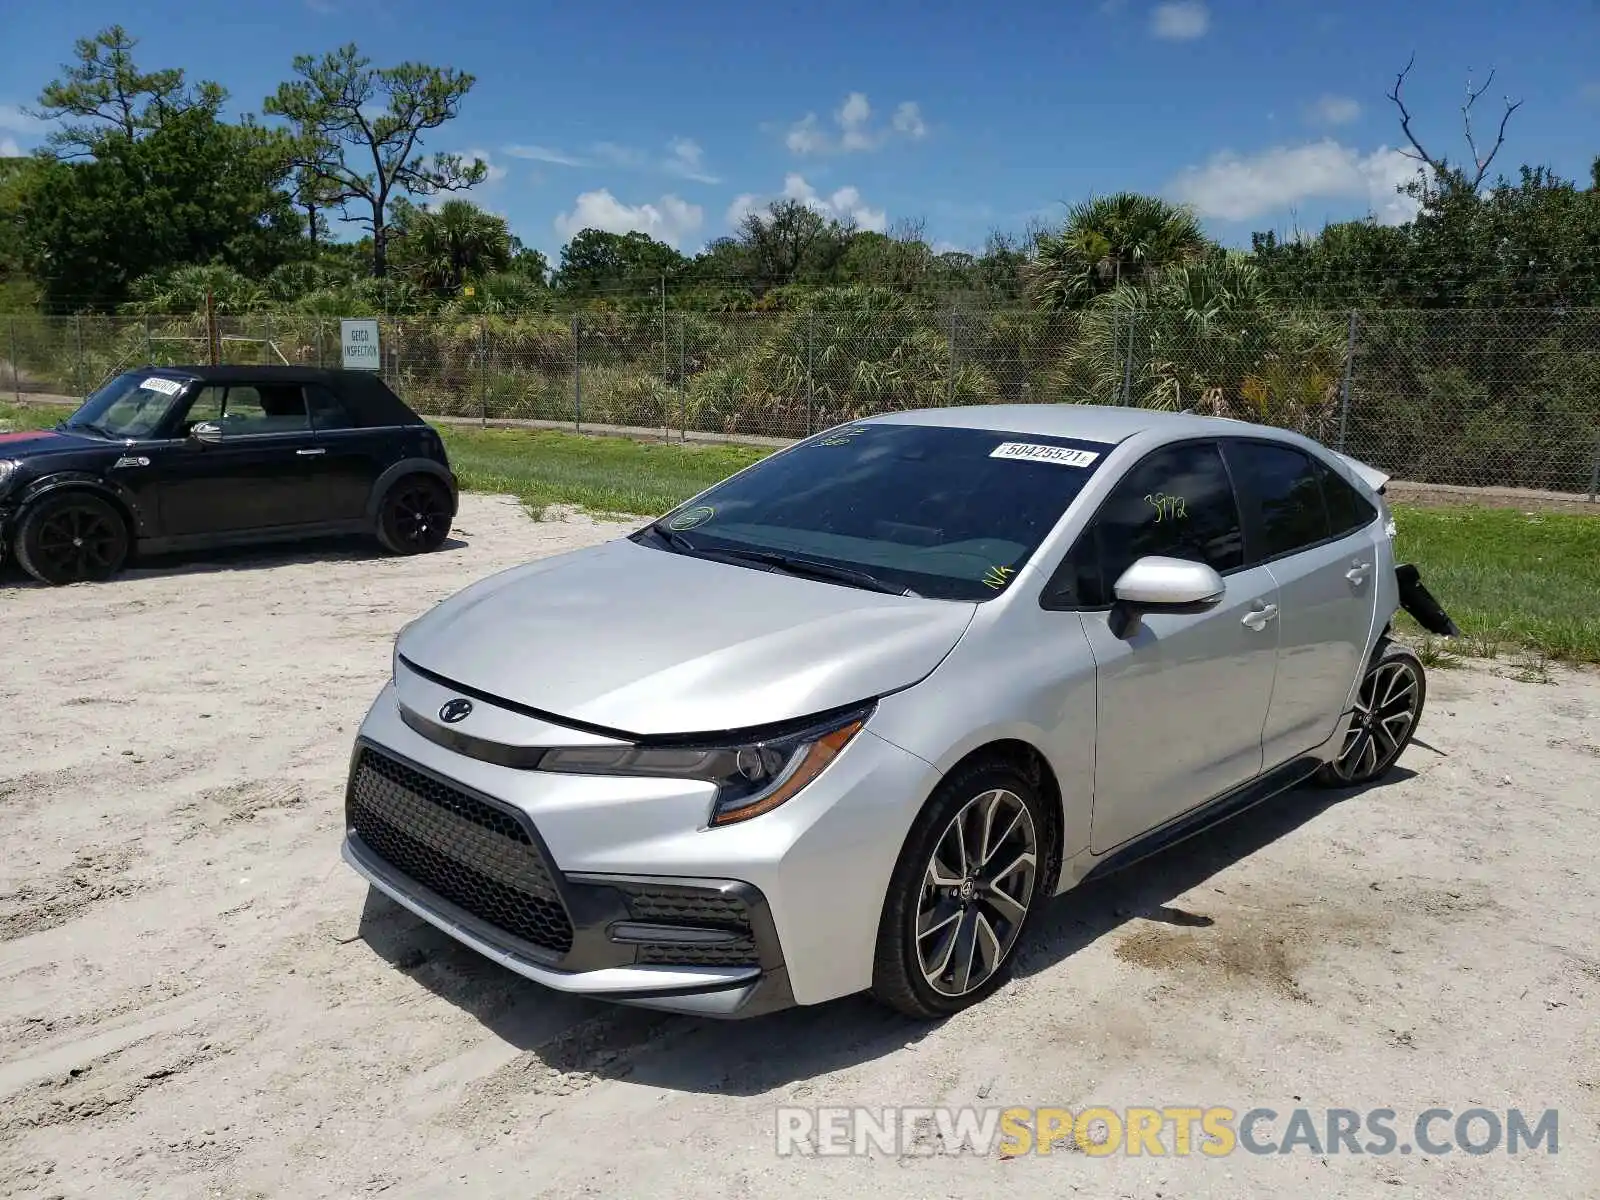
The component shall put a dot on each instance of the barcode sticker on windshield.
(1062, 456)
(155, 383)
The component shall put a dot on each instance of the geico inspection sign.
(359, 336)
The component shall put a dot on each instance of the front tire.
(963, 893)
(414, 517)
(1388, 707)
(75, 537)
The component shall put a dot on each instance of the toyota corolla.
(846, 720)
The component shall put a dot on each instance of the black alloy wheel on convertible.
(415, 516)
(74, 537)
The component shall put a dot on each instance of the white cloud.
(686, 158)
(668, 220)
(843, 204)
(14, 120)
(1180, 20)
(805, 136)
(545, 154)
(1232, 187)
(854, 129)
(1335, 110)
(908, 120)
(496, 172)
(9, 148)
(852, 117)
(743, 205)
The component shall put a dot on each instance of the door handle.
(310, 453)
(1258, 616)
(1358, 572)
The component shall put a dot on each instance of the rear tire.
(964, 891)
(414, 517)
(1388, 708)
(74, 537)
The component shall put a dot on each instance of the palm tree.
(184, 290)
(1111, 240)
(443, 247)
(1206, 336)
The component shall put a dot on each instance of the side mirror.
(1169, 585)
(208, 432)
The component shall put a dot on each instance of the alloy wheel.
(1386, 711)
(976, 892)
(419, 513)
(77, 544)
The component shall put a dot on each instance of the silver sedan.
(847, 719)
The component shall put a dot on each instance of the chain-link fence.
(1473, 397)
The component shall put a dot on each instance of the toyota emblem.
(455, 711)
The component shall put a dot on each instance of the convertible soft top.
(369, 399)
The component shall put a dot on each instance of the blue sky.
(675, 118)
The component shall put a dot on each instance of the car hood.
(30, 443)
(644, 641)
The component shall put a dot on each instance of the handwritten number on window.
(1168, 508)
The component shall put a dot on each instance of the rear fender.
(410, 466)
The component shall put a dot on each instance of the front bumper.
(614, 888)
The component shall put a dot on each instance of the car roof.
(1087, 422)
(365, 392)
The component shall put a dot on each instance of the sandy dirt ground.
(197, 998)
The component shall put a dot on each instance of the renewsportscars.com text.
(1170, 1130)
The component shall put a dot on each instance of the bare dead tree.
(1441, 166)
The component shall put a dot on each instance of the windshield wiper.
(796, 565)
(71, 426)
(675, 539)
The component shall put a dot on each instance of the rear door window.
(1280, 494)
(1348, 509)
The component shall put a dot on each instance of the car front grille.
(479, 857)
(701, 910)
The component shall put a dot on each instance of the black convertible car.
(175, 458)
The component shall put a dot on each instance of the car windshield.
(931, 510)
(133, 405)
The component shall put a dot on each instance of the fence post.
(1594, 476)
(319, 343)
(1344, 386)
(950, 382)
(577, 373)
(149, 342)
(683, 391)
(483, 373)
(16, 371)
(77, 367)
(1127, 364)
(811, 379)
(666, 421)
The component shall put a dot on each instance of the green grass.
(30, 416)
(1510, 581)
(602, 474)
(1518, 586)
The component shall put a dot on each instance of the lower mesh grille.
(478, 857)
(726, 954)
(686, 908)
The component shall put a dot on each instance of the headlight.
(8, 468)
(751, 778)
